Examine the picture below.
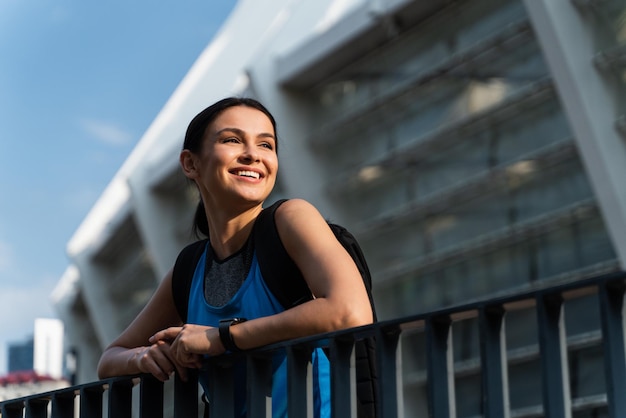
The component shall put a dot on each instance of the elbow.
(104, 366)
(353, 317)
(364, 317)
(102, 369)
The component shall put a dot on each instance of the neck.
(230, 231)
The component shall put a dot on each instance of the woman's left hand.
(190, 342)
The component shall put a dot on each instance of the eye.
(267, 145)
(230, 139)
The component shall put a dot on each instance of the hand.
(190, 343)
(158, 360)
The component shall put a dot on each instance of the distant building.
(20, 355)
(28, 382)
(48, 348)
(35, 365)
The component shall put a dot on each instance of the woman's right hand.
(157, 359)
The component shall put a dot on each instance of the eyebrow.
(242, 133)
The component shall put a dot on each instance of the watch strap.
(225, 335)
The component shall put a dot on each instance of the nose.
(249, 154)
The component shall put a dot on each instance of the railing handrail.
(436, 324)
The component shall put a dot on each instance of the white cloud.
(108, 133)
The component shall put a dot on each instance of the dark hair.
(195, 134)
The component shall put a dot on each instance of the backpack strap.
(351, 245)
(182, 275)
(281, 275)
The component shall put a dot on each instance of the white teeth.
(248, 174)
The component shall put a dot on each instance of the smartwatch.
(225, 336)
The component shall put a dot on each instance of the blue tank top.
(255, 300)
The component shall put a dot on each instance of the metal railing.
(116, 396)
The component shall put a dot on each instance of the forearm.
(119, 361)
(314, 317)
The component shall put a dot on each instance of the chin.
(255, 199)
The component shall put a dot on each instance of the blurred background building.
(21, 355)
(475, 148)
(36, 364)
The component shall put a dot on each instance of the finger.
(176, 356)
(182, 373)
(181, 370)
(158, 372)
(198, 361)
(185, 358)
(167, 334)
(154, 362)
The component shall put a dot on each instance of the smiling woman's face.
(238, 157)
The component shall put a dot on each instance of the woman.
(230, 152)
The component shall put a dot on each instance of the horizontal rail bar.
(436, 325)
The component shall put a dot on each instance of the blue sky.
(80, 82)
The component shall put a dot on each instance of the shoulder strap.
(280, 273)
(182, 275)
(349, 242)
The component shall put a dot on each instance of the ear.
(188, 164)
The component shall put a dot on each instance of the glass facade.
(451, 155)
(452, 150)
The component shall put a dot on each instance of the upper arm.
(159, 313)
(328, 269)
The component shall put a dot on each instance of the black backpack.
(285, 281)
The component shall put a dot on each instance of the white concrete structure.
(474, 147)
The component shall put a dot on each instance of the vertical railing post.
(186, 395)
(150, 397)
(62, 404)
(495, 387)
(120, 398)
(259, 386)
(389, 372)
(440, 368)
(300, 382)
(91, 401)
(12, 410)
(611, 299)
(36, 408)
(553, 349)
(342, 380)
(221, 398)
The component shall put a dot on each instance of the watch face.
(232, 321)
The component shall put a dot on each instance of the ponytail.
(200, 223)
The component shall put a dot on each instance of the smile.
(251, 174)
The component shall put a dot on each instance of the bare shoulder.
(301, 226)
(296, 207)
(297, 214)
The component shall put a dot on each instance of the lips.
(248, 173)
